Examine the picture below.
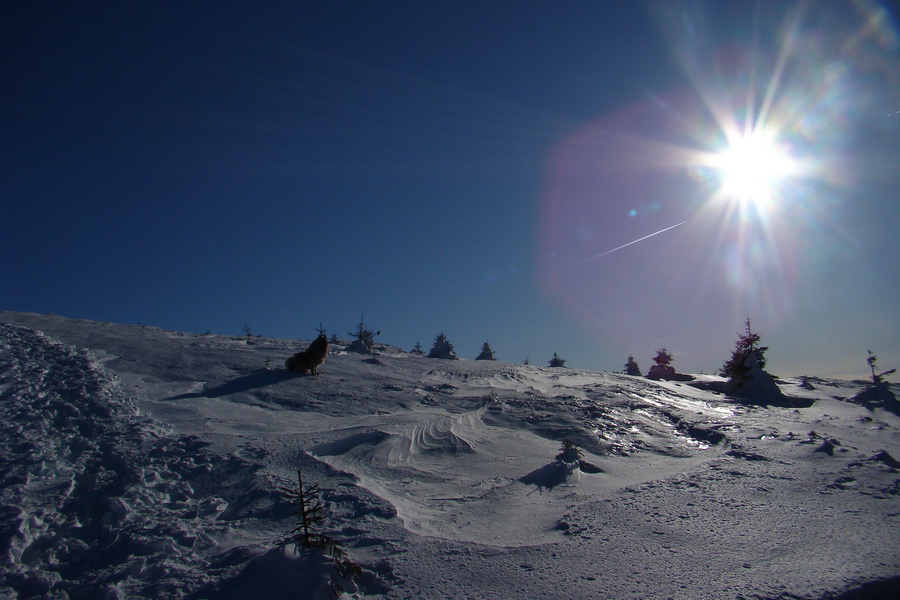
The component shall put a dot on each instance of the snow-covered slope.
(142, 463)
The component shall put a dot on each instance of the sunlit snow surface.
(141, 463)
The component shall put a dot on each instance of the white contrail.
(635, 241)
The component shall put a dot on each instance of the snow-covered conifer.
(662, 368)
(663, 357)
(486, 352)
(442, 348)
(365, 338)
(631, 366)
(556, 361)
(745, 370)
(746, 351)
(569, 452)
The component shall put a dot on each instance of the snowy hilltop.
(143, 463)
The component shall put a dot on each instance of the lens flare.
(753, 167)
(714, 201)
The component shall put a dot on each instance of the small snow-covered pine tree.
(556, 361)
(442, 348)
(747, 354)
(569, 452)
(662, 369)
(746, 377)
(631, 366)
(365, 338)
(486, 352)
(417, 350)
(663, 357)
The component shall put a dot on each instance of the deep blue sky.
(454, 167)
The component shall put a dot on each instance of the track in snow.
(96, 500)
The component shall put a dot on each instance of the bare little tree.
(877, 377)
(310, 511)
(879, 394)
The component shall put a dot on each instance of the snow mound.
(348, 443)
(878, 396)
(551, 475)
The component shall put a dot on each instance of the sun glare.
(753, 168)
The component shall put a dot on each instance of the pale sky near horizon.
(547, 176)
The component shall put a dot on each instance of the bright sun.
(753, 167)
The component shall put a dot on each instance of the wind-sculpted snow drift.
(141, 463)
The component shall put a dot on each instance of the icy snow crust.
(142, 463)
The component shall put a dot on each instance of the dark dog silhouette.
(309, 359)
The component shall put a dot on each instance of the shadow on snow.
(252, 381)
